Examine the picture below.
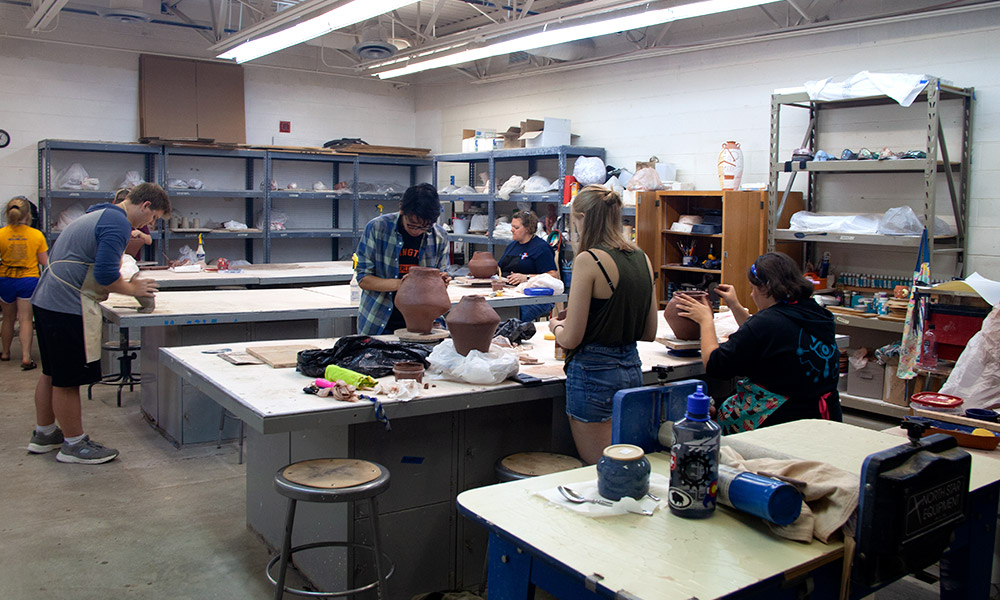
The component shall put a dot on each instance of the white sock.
(46, 429)
(75, 440)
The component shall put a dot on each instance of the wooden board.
(279, 357)
(390, 150)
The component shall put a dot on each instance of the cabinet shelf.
(78, 194)
(872, 323)
(189, 193)
(306, 195)
(673, 267)
(903, 165)
(311, 233)
(471, 238)
(867, 239)
(872, 405)
(689, 234)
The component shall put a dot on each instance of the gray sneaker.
(41, 443)
(87, 452)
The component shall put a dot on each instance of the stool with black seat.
(124, 376)
(331, 480)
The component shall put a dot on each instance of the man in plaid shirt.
(391, 244)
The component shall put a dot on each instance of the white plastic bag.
(901, 220)
(132, 179)
(976, 375)
(589, 170)
(69, 215)
(614, 184)
(512, 186)
(129, 268)
(542, 280)
(479, 223)
(278, 220)
(478, 367)
(536, 184)
(644, 179)
(71, 178)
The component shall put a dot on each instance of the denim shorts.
(594, 375)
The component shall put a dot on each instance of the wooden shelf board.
(688, 234)
(690, 269)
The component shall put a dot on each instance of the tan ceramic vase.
(683, 327)
(422, 297)
(482, 265)
(472, 324)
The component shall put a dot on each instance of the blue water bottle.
(694, 461)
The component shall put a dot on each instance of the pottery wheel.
(409, 336)
(332, 473)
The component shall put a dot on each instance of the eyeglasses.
(417, 223)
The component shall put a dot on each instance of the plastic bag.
(478, 367)
(129, 268)
(516, 330)
(69, 215)
(132, 179)
(901, 220)
(278, 220)
(186, 253)
(976, 375)
(644, 179)
(511, 186)
(613, 184)
(71, 178)
(361, 353)
(536, 184)
(589, 170)
(91, 184)
(543, 280)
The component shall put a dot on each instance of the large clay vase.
(683, 327)
(730, 166)
(482, 265)
(422, 297)
(472, 324)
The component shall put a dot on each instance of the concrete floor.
(157, 522)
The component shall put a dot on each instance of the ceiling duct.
(130, 11)
(576, 50)
(374, 44)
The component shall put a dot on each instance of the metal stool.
(524, 465)
(124, 376)
(222, 425)
(331, 480)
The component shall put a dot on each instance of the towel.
(830, 495)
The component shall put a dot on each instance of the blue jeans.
(595, 374)
(530, 312)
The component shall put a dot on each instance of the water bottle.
(928, 349)
(694, 461)
(355, 288)
(199, 254)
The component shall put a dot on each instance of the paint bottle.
(199, 254)
(355, 287)
(694, 461)
(928, 348)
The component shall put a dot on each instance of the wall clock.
(4, 139)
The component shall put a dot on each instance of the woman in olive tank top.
(611, 306)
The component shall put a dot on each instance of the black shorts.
(60, 344)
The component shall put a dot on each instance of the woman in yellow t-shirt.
(22, 250)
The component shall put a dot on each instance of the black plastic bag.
(516, 330)
(361, 353)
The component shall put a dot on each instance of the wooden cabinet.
(742, 240)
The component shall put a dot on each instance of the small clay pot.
(408, 370)
(472, 324)
(683, 327)
(422, 297)
(482, 265)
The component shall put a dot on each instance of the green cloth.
(359, 380)
(621, 319)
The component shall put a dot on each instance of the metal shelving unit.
(938, 161)
(531, 156)
(252, 168)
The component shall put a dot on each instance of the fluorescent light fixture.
(577, 32)
(337, 18)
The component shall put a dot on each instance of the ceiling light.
(337, 18)
(577, 32)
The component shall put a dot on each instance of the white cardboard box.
(481, 144)
(555, 132)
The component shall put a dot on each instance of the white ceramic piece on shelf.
(730, 166)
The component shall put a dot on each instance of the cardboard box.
(866, 382)
(545, 134)
(894, 388)
(475, 144)
(512, 138)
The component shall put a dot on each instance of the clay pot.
(408, 370)
(472, 324)
(422, 297)
(683, 327)
(730, 166)
(482, 265)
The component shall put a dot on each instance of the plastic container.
(694, 461)
(355, 287)
(982, 414)
(937, 401)
(764, 497)
(199, 254)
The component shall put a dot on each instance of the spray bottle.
(199, 254)
(694, 461)
(355, 288)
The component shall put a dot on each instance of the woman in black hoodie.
(785, 355)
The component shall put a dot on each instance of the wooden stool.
(331, 480)
(523, 465)
(124, 376)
